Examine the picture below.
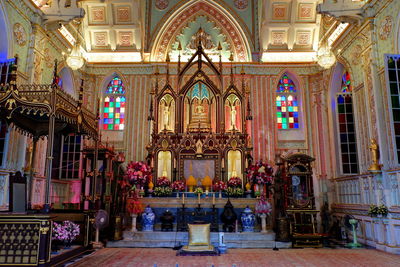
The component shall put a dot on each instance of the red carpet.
(148, 257)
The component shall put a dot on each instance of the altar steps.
(172, 239)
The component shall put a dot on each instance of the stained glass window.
(393, 73)
(287, 106)
(114, 105)
(346, 127)
(286, 85)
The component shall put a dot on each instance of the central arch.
(173, 25)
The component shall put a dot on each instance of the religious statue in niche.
(198, 108)
(166, 113)
(232, 113)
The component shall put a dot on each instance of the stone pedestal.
(263, 217)
(134, 217)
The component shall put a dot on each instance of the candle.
(183, 198)
(222, 163)
(213, 199)
(207, 193)
(198, 198)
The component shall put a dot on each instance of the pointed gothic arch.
(170, 26)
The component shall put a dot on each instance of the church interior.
(251, 133)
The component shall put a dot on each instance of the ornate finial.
(179, 46)
(231, 57)
(167, 59)
(219, 48)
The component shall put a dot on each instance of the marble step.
(171, 239)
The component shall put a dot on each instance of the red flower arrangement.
(260, 173)
(219, 186)
(179, 185)
(138, 173)
(163, 181)
(133, 204)
(235, 182)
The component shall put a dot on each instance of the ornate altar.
(300, 201)
(199, 123)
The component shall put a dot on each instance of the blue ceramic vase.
(248, 220)
(148, 218)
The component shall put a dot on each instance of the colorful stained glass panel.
(287, 112)
(114, 106)
(286, 85)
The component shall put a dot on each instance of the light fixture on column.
(75, 59)
(325, 57)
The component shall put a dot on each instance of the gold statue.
(199, 118)
(375, 166)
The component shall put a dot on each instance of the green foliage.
(234, 192)
(162, 191)
(375, 210)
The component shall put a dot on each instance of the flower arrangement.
(235, 182)
(219, 186)
(234, 191)
(263, 206)
(67, 231)
(163, 181)
(198, 190)
(260, 173)
(161, 191)
(133, 204)
(138, 173)
(375, 210)
(179, 185)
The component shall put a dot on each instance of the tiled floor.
(160, 257)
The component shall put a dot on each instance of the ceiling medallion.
(162, 4)
(241, 4)
(19, 34)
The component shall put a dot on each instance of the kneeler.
(199, 241)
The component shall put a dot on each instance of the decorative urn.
(228, 217)
(148, 218)
(167, 220)
(248, 220)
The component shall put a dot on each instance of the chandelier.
(75, 59)
(325, 57)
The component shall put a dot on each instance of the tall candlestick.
(213, 199)
(198, 198)
(223, 163)
(183, 198)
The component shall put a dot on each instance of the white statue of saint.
(166, 117)
(233, 117)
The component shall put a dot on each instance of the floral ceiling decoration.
(206, 31)
(216, 26)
